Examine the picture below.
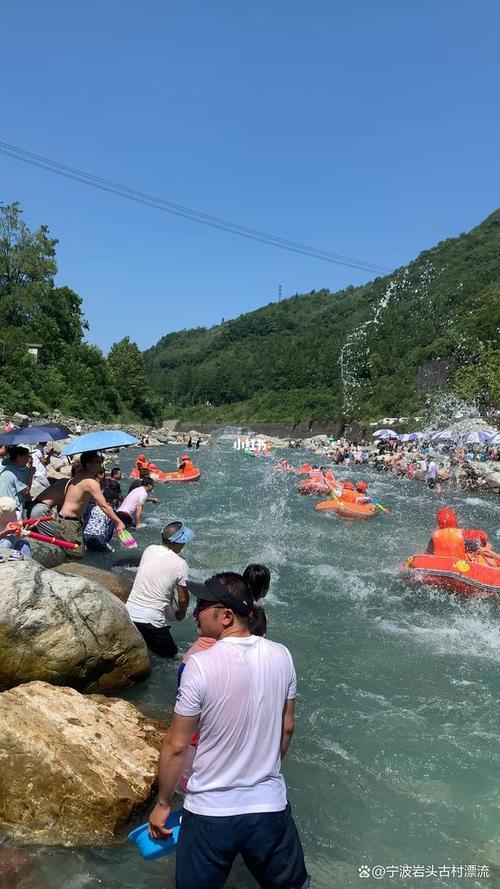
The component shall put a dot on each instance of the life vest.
(476, 534)
(187, 467)
(348, 495)
(449, 542)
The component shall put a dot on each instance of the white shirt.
(431, 470)
(238, 688)
(153, 597)
(132, 500)
(40, 468)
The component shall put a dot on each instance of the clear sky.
(368, 128)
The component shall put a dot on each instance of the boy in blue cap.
(159, 595)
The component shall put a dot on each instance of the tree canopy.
(356, 354)
(69, 374)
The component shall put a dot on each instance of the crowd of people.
(234, 714)
(430, 462)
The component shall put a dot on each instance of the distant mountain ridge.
(360, 353)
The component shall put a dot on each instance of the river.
(395, 759)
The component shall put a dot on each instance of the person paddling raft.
(460, 543)
(186, 465)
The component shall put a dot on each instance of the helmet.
(141, 457)
(447, 518)
(361, 486)
(185, 457)
(349, 486)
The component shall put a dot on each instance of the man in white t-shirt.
(132, 507)
(239, 696)
(159, 595)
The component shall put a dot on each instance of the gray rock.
(47, 555)
(21, 420)
(66, 631)
(118, 584)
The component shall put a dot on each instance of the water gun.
(55, 541)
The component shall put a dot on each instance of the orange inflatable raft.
(318, 483)
(192, 475)
(470, 578)
(348, 510)
(305, 469)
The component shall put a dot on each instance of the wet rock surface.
(118, 584)
(65, 630)
(75, 769)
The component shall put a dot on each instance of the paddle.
(379, 505)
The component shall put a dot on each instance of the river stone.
(65, 630)
(118, 584)
(47, 555)
(75, 769)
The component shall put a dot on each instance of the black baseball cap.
(212, 590)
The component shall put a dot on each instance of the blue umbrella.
(99, 441)
(479, 436)
(32, 434)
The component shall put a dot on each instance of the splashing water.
(355, 350)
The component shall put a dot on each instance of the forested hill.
(360, 353)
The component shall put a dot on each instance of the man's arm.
(288, 726)
(172, 758)
(138, 514)
(96, 493)
(183, 600)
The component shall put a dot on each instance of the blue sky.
(366, 128)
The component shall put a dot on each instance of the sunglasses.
(203, 605)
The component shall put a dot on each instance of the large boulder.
(75, 769)
(65, 630)
(118, 584)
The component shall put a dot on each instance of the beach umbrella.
(444, 436)
(385, 433)
(412, 436)
(105, 440)
(479, 436)
(34, 434)
(495, 441)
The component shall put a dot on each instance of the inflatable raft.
(317, 483)
(191, 475)
(459, 575)
(348, 510)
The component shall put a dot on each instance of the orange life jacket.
(476, 534)
(449, 542)
(348, 495)
(187, 466)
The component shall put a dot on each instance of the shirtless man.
(78, 492)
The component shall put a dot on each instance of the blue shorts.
(268, 842)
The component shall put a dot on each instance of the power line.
(198, 216)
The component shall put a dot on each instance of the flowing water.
(396, 755)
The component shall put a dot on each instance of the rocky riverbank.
(77, 768)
